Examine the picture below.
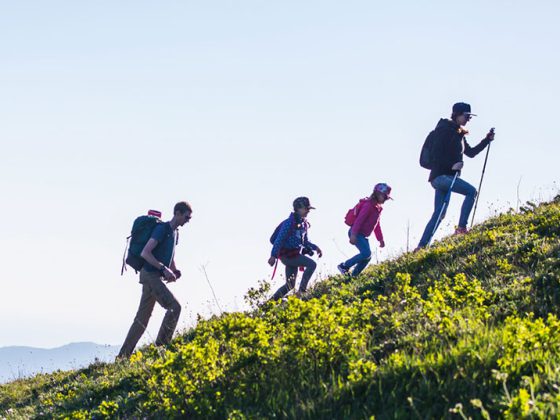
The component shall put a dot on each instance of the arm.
(306, 242)
(175, 270)
(309, 244)
(147, 254)
(379, 234)
(473, 151)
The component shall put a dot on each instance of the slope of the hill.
(466, 328)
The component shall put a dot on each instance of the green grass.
(467, 328)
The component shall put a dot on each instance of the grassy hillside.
(468, 328)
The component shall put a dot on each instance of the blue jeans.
(361, 260)
(441, 184)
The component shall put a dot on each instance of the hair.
(454, 115)
(182, 207)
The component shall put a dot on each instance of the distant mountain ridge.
(21, 361)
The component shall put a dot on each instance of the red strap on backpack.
(274, 271)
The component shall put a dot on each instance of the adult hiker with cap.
(159, 267)
(363, 219)
(448, 144)
(292, 246)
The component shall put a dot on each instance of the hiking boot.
(461, 231)
(342, 269)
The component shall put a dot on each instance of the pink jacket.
(368, 220)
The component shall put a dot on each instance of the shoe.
(342, 268)
(461, 231)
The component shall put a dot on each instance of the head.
(302, 206)
(182, 213)
(381, 193)
(461, 113)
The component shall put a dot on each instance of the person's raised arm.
(473, 151)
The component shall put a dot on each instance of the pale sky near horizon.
(109, 109)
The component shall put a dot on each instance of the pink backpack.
(352, 214)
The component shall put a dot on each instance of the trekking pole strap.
(274, 271)
(123, 268)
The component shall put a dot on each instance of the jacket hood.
(446, 124)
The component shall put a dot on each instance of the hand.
(490, 135)
(177, 274)
(458, 166)
(319, 252)
(353, 239)
(381, 244)
(271, 261)
(168, 275)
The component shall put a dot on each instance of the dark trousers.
(292, 266)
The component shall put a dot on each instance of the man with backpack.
(442, 153)
(158, 266)
(292, 246)
(363, 219)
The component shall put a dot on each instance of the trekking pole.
(444, 206)
(481, 178)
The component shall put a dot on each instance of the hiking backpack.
(352, 214)
(427, 154)
(141, 233)
(277, 230)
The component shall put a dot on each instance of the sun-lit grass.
(467, 328)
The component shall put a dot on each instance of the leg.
(310, 266)
(291, 274)
(441, 186)
(365, 254)
(173, 309)
(362, 255)
(466, 189)
(147, 302)
(165, 298)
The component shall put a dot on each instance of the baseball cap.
(303, 202)
(462, 108)
(383, 189)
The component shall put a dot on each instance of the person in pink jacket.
(364, 219)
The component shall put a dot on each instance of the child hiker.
(291, 246)
(363, 219)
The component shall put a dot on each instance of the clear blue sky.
(109, 109)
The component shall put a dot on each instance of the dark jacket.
(449, 146)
